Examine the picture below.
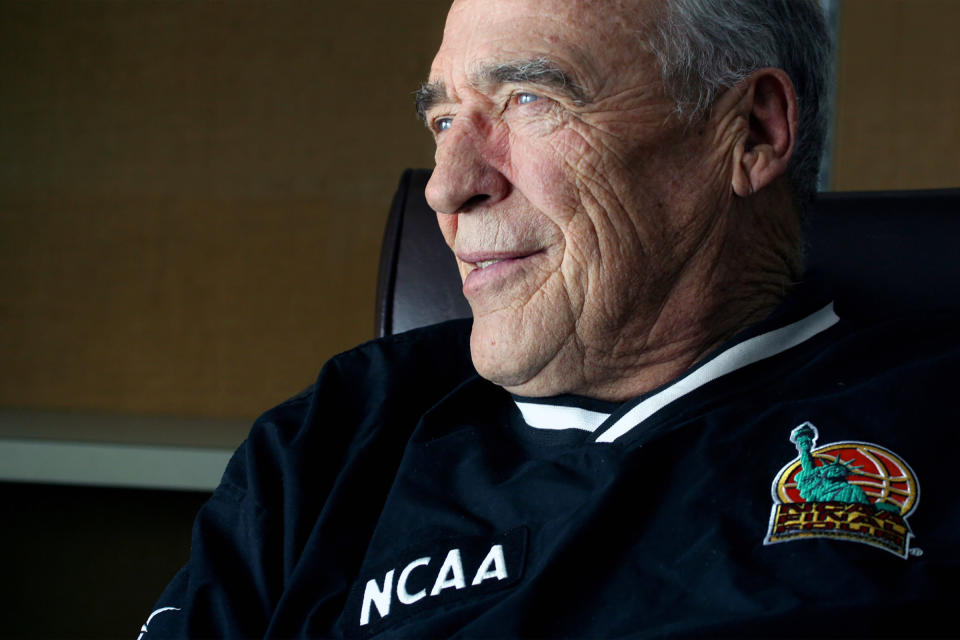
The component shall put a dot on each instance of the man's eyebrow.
(428, 95)
(535, 71)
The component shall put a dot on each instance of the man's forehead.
(575, 13)
(550, 6)
(578, 49)
(481, 34)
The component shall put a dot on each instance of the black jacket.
(403, 495)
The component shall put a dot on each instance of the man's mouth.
(480, 261)
(485, 270)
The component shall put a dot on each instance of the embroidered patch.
(854, 491)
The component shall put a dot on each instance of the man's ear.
(768, 105)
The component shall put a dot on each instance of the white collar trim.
(557, 417)
(736, 357)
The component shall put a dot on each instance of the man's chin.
(500, 371)
(522, 375)
(516, 353)
(501, 360)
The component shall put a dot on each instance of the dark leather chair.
(881, 249)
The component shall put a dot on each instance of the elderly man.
(622, 183)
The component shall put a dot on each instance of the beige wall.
(898, 95)
(192, 194)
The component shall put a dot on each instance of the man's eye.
(442, 124)
(526, 98)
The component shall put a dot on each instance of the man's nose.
(464, 178)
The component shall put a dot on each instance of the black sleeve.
(241, 545)
(276, 490)
(233, 579)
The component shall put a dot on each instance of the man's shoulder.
(447, 344)
(393, 376)
(420, 358)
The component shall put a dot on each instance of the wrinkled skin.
(613, 220)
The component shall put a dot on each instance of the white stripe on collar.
(557, 417)
(736, 357)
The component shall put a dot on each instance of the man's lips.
(494, 268)
(486, 259)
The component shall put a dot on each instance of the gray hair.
(704, 47)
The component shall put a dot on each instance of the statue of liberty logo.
(828, 481)
(849, 490)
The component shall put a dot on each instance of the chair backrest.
(879, 248)
(419, 283)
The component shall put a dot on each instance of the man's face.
(571, 197)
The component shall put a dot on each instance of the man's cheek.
(464, 269)
(546, 180)
(587, 164)
(448, 227)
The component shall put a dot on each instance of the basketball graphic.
(856, 491)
